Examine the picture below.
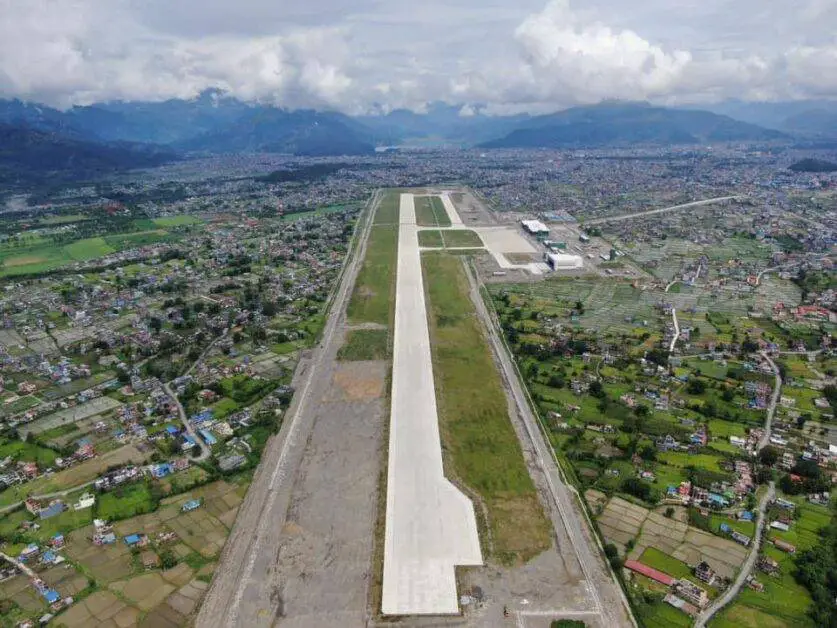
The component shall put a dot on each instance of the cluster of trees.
(816, 570)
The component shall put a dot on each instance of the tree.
(769, 456)
(830, 393)
(596, 389)
(696, 386)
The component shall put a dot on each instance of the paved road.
(774, 399)
(205, 450)
(676, 330)
(237, 594)
(747, 568)
(608, 598)
(730, 593)
(651, 212)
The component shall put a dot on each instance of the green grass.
(365, 344)
(481, 448)
(738, 615)
(372, 300)
(425, 216)
(224, 407)
(329, 209)
(442, 218)
(662, 615)
(665, 563)
(141, 238)
(28, 452)
(430, 212)
(62, 220)
(683, 460)
(177, 221)
(431, 239)
(387, 212)
(89, 248)
(462, 238)
(125, 502)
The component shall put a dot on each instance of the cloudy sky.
(510, 55)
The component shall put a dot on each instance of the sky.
(378, 55)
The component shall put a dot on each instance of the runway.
(430, 524)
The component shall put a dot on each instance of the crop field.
(371, 300)
(365, 344)
(481, 447)
(40, 255)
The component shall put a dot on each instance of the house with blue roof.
(208, 438)
(51, 596)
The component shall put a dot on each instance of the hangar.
(562, 261)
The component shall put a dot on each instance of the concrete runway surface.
(430, 524)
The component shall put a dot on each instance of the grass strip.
(481, 448)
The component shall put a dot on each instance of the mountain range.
(623, 124)
(86, 141)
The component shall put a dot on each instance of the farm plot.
(622, 521)
(97, 406)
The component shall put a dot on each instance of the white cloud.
(591, 60)
(386, 54)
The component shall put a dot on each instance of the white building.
(85, 501)
(534, 226)
(562, 261)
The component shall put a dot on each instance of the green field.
(88, 248)
(387, 212)
(481, 448)
(371, 300)
(430, 212)
(42, 255)
(125, 502)
(365, 344)
(28, 452)
(431, 239)
(177, 221)
(665, 563)
(460, 238)
(662, 615)
(140, 238)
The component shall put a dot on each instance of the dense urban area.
(632, 347)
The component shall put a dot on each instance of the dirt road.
(247, 589)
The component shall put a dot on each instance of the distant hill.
(813, 165)
(211, 123)
(813, 118)
(30, 156)
(267, 129)
(441, 121)
(622, 124)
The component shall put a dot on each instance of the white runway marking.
(430, 524)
